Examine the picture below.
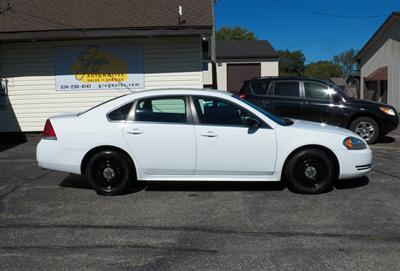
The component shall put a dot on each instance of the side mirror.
(253, 123)
(337, 99)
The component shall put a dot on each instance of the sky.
(320, 28)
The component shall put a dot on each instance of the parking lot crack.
(14, 188)
(281, 234)
(172, 249)
(386, 174)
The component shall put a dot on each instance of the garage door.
(238, 73)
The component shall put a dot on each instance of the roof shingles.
(239, 49)
(45, 15)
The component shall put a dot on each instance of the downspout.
(213, 49)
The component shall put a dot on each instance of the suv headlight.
(353, 143)
(387, 110)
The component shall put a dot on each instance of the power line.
(337, 35)
(315, 12)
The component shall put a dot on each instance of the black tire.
(110, 173)
(367, 128)
(310, 171)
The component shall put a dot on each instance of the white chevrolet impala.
(197, 135)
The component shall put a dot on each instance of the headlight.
(353, 143)
(387, 110)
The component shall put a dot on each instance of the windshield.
(280, 121)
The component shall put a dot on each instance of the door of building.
(238, 73)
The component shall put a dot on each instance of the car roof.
(179, 91)
(144, 93)
(287, 78)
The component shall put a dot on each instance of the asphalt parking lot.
(51, 220)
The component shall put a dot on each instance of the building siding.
(386, 55)
(29, 69)
(385, 51)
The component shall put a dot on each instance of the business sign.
(99, 67)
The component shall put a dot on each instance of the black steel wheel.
(367, 128)
(310, 171)
(110, 173)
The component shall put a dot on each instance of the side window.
(168, 109)
(260, 87)
(317, 91)
(286, 89)
(120, 113)
(219, 112)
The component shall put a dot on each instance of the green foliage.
(234, 33)
(291, 63)
(323, 70)
(346, 61)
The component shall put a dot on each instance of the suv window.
(285, 89)
(219, 112)
(164, 109)
(260, 87)
(317, 91)
(120, 113)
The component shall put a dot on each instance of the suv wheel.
(310, 171)
(110, 173)
(367, 128)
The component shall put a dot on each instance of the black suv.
(320, 101)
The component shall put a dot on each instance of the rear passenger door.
(285, 99)
(161, 135)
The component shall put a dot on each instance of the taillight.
(242, 93)
(48, 131)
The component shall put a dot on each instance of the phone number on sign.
(99, 86)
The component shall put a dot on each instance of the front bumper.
(354, 163)
(388, 124)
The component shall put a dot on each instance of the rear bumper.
(355, 163)
(51, 155)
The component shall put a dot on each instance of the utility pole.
(213, 48)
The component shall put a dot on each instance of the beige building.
(52, 62)
(380, 64)
(238, 61)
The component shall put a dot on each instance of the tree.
(322, 70)
(234, 33)
(291, 63)
(346, 61)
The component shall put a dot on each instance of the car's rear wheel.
(310, 171)
(110, 173)
(367, 128)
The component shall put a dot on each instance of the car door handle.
(209, 134)
(134, 132)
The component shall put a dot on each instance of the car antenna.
(123, 84)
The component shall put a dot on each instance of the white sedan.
(198, 135)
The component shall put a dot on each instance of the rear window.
(121, 113)
(260, 87)
(81, 113)
(286, 89)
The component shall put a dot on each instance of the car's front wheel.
(310, 171)
(367, 128)
(110, 173)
